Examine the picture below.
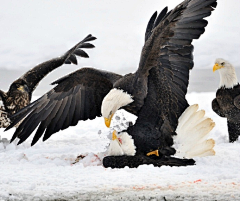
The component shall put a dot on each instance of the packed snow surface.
(45, 171)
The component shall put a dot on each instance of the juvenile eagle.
(155, 92)
(20, 92)
(227, 101)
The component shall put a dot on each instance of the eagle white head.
(121, 144)
(114, 100)
(228, 77)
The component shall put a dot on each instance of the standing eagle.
(20, 92)
(155, 92)
(227, 101)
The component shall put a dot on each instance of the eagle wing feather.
(77, 96)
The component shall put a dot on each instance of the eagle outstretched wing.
(167, 59)
(20, 91)
(167, 52)
(36, 74)
(77, 96)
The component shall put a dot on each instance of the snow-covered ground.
(45, 172)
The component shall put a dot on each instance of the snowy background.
(35, 31)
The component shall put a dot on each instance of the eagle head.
(228, 77)
(19, 87)
(114, 100)
(121, 144)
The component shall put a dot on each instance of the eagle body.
(227, 101)
(151, 131)
(16, 100)
(155, 92)
(227, 104)
(20, 91)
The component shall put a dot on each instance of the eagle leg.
(167, 151)
(233, 130)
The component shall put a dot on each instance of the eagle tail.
(192, 132)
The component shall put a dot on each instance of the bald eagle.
(191, 141)
(121, 144)
(227, 101)
(155, 93)
(20, 92)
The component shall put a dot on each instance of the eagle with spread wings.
(20, 91)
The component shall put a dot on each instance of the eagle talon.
(155, 152)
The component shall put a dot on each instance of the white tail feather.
(184, 118)
(193, 121)
(192, 132)
(201, 149)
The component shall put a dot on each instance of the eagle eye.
(222, 63)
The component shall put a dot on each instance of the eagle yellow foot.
(155, 152)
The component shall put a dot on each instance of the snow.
(45, 171)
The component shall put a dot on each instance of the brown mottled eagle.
(20, 92)
(155, 93)
(227, 101)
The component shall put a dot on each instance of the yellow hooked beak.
(216, 67)
(108, 121)
(114, 136)
(21, 88)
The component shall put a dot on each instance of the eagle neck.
(228, 80)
